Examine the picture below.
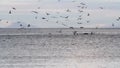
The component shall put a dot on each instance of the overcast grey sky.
(102, 18)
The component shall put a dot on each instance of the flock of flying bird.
(80, 9)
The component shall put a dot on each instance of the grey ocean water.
(59, 48)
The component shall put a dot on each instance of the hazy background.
(102, 18)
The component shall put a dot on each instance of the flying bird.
(79, 23)
(88, 14)
(101, 7)
(36, 17)
(88, 21)
(59, 0)
(38, 7)
(10, 12)
(43, 18)
(21, 25)
(80, 11)
(82, 3)
(113, 25)
(28, 25)
(68, 10)
(47, 13)
(35, 12)
(14, 8)
(56, 21)
(79, 18)
(6, 21)
(66, 17)
(119, 18)
(64, 24)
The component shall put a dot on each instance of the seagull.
(7, 22)
(66, 16)
(38, 7)
(78, 6)
(59, 0)
(88, 14)
(79, 19)
(68, 10)
(18, 22)
(80, 11)
(79, 23)
(43, 18)
(10, 12)
(113, 25)
(101, 7)
(47, 13)
(81, 27)
(36, 17)
(14, 8)
(64, 24)
(35, 12)
(28, 25)
(71, 27)
(56, 21)
(21, 25)
(73, 1)
(53, 17)
(82, 3)
(118, 17)
(88, 21)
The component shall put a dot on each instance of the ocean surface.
(59, 48)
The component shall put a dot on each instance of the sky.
(100, 18)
